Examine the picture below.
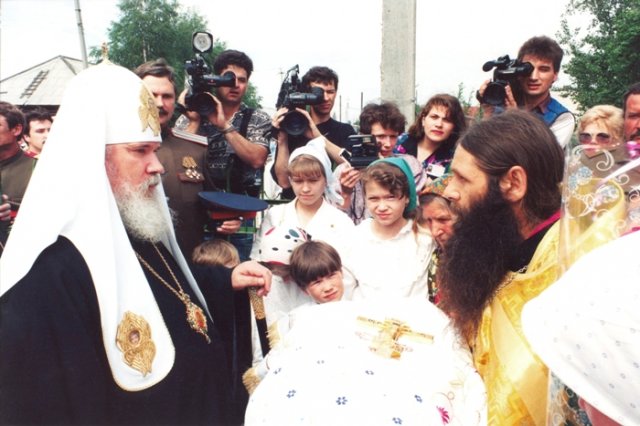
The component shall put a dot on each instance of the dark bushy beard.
(475, 258)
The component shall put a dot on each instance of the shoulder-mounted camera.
(201, 79)
(292, 96)
(506, 72)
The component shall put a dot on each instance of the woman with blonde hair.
(602, 126)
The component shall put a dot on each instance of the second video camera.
(361, 150)
(507, 70)
(291, 96)
(201, 80)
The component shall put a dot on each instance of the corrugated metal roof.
(41, 84)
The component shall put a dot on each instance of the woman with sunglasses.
(604, 153)
(601, 126)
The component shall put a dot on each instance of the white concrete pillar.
(398, 64)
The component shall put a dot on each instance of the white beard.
(141, 211)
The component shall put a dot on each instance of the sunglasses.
(601, 138)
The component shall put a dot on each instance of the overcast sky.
(454, 38)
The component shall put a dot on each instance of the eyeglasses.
(601, 138)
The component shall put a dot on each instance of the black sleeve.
(232, 318)
(215, 284)
(53, 364)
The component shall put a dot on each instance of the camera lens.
(494, 94)
(294, 123)
(201, 103)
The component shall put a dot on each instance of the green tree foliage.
(150, 29)
(604, 61)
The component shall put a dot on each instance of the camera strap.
(244, 124)
(234, 162)
(231, 163)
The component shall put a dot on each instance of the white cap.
(278, 243)
(316, 149)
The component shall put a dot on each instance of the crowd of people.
(475, 270)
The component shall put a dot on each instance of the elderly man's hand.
(251, 274)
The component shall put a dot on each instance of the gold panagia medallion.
(196, 317)
(134, 340)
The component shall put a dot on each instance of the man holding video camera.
(320, 124)
(531, 91)
(238, 142)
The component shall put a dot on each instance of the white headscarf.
(316, 149)
(586, 328)
(69, 195)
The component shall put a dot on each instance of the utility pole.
(398, 64)
(83, 47)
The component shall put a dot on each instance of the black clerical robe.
(53, 365)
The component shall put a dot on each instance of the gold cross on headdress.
(105, 52)
(385, 343)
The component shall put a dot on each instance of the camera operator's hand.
(280, 165)
(229, 227)
(348, 179)
(194, 117)
(312, 130)
(217, 118)
(277, 119)
(509, 101)
(481, 90)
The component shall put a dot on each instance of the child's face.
(327, 289)
(385, 207)
(308, 190)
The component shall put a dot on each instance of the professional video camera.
(361, 151)
(200, 78)
(506, 72)
(291, 97)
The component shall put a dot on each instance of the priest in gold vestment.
(506, 189)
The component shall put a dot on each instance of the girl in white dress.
(388, 257)
(313, 184)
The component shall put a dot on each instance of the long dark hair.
(518, 138)
(454, 113)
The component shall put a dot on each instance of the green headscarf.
(402, 165)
